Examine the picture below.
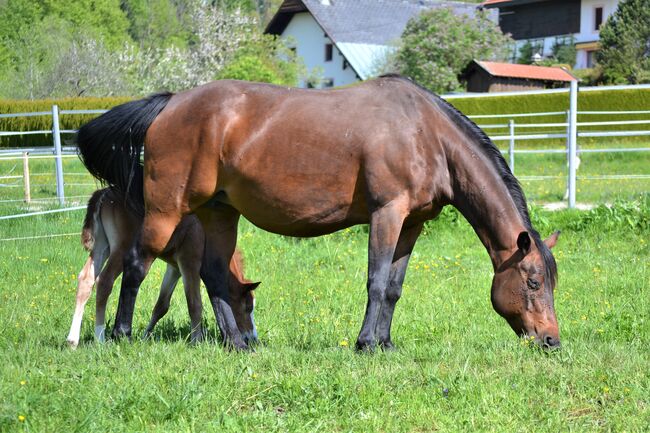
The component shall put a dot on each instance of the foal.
(109, 231)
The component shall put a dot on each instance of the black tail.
(111, 144)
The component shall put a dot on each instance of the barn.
(482, 77)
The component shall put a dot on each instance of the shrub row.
(616, 100)
(42, 123)
(598, 100)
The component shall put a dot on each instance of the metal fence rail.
(567, 130)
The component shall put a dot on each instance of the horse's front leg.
(156, 231)
(398, 269)
(220, 226)
(385, 227)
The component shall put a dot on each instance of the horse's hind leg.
(167, 287)
(105, 282)
(385, 227)
(398, 269)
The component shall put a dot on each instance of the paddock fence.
(503, 129)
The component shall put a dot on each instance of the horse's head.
(522, 290)
(242, 298)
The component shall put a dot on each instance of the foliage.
(625, 44)
(526, 52)
(267, 60)
(564, 51)
(132, 47)
(437, 45)
(156, 23)
(633, 215)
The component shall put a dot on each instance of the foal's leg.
(105, 282)
(167, 287)
(192, 285)
(156, 231)
(220, 226)
(85, 282)
(398, 269)
(385, 227)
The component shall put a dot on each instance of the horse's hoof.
(238, 347)
(365, 346)
(387, 346)
(72, 344)
(119, 333)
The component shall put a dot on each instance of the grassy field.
(458, 366)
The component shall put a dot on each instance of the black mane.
(494, 155)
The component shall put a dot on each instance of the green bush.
(597, 100)
(42, 123)
(633, 215)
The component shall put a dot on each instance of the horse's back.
(296, 161)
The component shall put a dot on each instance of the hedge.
(611, 100)
(37, 123)
(596, 100)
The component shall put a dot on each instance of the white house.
(543, 22)
(348, 39)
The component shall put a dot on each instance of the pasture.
(458, 366)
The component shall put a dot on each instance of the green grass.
(305, 376)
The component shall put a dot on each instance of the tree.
(438, 45)
(625, 41)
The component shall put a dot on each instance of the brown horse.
(109, 230)
(309, 162)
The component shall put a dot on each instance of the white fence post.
(511, 147)
(56, 134)
(573, 138)
(28, 195)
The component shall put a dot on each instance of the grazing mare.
(109, 230)
(300, 162)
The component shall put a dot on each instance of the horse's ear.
(523, 242)
(251, 286)
(552, 240)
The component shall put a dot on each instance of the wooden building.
(484, 77)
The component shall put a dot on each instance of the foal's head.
(242, 298)
(522, 290)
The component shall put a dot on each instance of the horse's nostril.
(551, 342)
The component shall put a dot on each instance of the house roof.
(363, 30)
(529, 72)
(361, 21)
(499, 3)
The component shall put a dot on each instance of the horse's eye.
(533, 284)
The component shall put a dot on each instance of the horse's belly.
(297, 212)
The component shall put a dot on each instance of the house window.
(345, 64)
(328, 82)
(329, 50)
(591, 59)
(598, 18)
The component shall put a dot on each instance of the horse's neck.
(483, 198)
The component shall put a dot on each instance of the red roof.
(491, 2)
(530, 72)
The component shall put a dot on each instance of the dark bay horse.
(387, 153)
(109, 230)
